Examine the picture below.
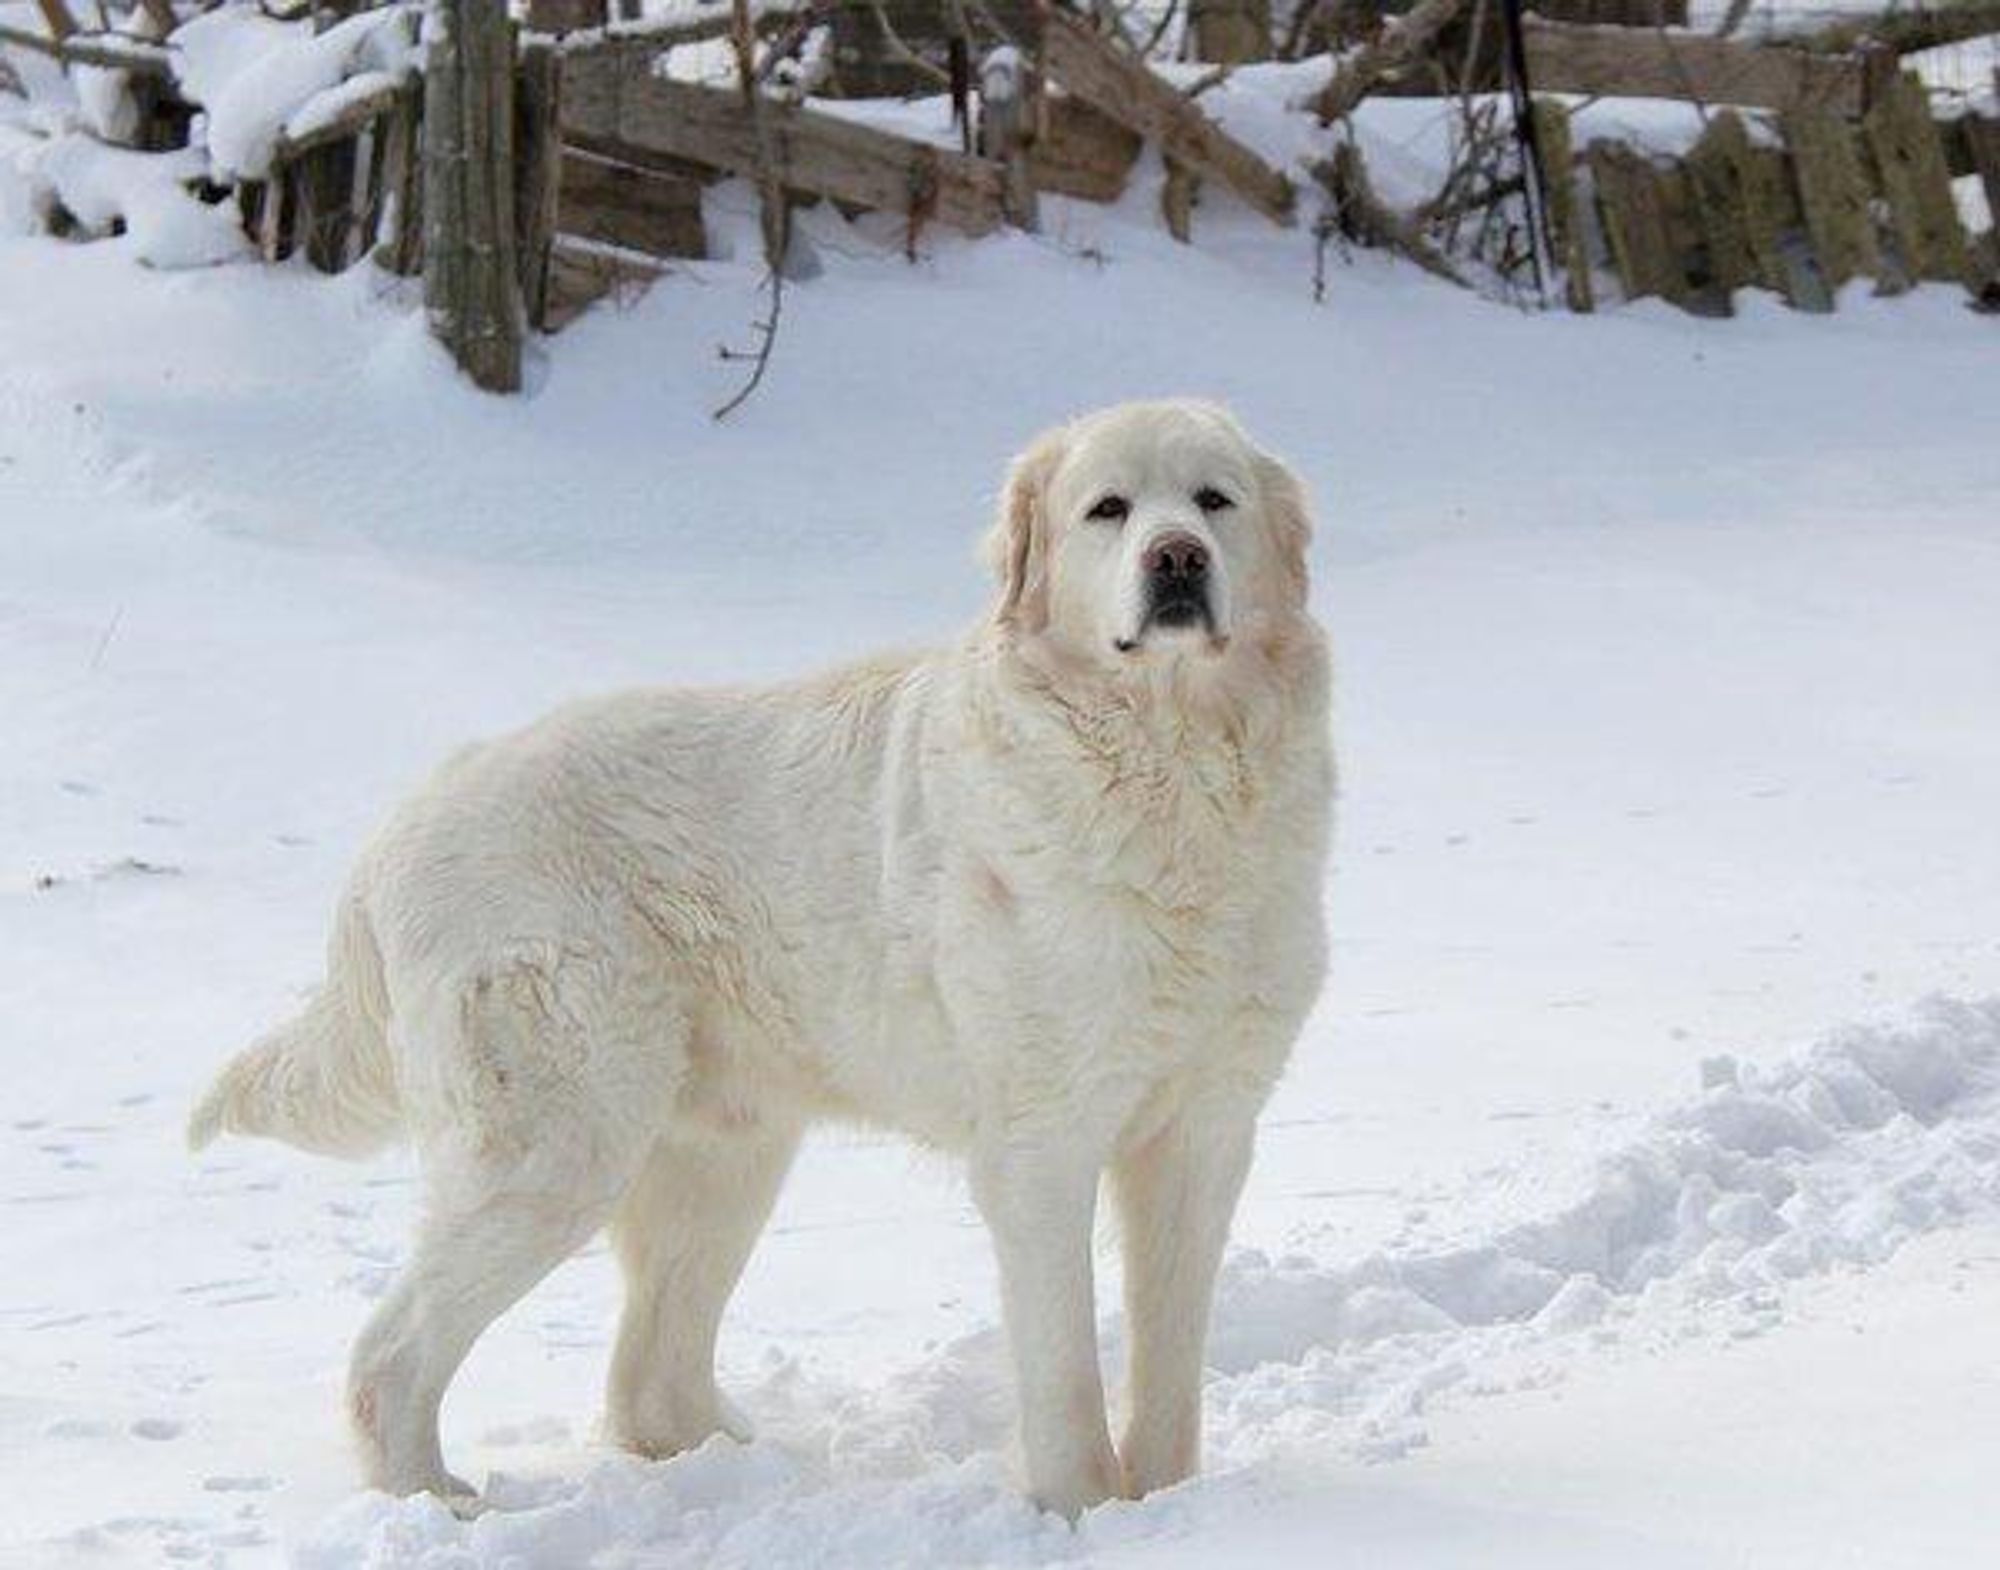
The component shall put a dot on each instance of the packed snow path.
(1586, 1229)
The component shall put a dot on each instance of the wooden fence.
(1798, 199)
(1821, 160)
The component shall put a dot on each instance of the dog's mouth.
(1175, 609)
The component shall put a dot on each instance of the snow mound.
(253, 75)
(105, 188)
(1838, 1157)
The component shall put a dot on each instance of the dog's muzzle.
(1176, 572)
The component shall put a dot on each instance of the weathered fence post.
(400, 243)
(472, 288)
(1909, 162)
(1230, 32)
(538, 194)
(1006, 128)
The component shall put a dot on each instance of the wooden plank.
(634, 209)
(1687, 253)
(1009, 102)
(1629, 62)
(271, 216)
(1230, 32)
(1745, 206)
(1178, 195)
(364, 195)
(323, 183)
(1126, 88)
(580, 276)
(612, 94)
(400, 232)
(1778, 231)
(361, 111)
(565, 16)
(1568, 223)
(609, 147)
(1714, 166)
(114, 51)
(538, 170)
(1982, 142)
(1639, 225)
(653, 39)
(1081, 151)
(1409, 37)
(1909, 164)
(1906, 31)
(1833, 194)
(1618, 13)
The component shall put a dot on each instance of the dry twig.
(773, 211)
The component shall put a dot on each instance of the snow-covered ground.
(1626, 1204)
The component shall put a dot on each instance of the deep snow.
(1623, 1204)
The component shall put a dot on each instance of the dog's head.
(1149, 532)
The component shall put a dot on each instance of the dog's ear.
(1016, 547)
(1290, 518)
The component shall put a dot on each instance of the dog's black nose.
(1178, 559)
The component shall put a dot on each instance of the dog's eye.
(1110, 509)
(1209, 499)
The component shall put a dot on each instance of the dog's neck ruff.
(1169, 766)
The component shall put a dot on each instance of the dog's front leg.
(1176, 1194)
(1039, 1201)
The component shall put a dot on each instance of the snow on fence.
(529, 168)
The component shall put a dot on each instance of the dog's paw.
(1081, 1488)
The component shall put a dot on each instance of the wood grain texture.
(1081, 151)
(1635, 209)
(1910, 170)
(632, 208)
(1126, 88)
(1982, 141)
(1834, 192)
(1398, 44)
(1630, 62)
(1569, 230)
(538, 170)
(612, 95)
(472, 287)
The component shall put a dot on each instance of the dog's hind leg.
(472, 1261)
(538, 1096)
(683, 1235)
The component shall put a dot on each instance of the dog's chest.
(1138, 916)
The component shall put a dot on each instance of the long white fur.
(1031, 899)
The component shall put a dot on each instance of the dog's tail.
(323, 1081)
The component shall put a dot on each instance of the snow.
(146, 193)
(253, 74)
(1627, 1202)
(105, 97)
(325, 108)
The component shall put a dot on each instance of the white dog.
(1049, 898)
